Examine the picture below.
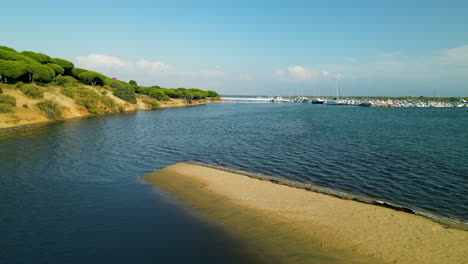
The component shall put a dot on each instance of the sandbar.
(283, 224)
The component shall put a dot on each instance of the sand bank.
(23, 116)
(293, 225)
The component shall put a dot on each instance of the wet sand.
(283, 224)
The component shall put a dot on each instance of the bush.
(6, 108)
(87, 98)
(107, 104)
(126, 94)
(103, 92)
(68, 91)
(66, 81)
(152, 103)
(7, 99)
(19, 84)
(158, 95)
(51, 108)
(32, 90)
(95, 103)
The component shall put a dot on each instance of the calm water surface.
(69, 191)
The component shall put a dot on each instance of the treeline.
(33, 67)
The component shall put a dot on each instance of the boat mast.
(337, 88)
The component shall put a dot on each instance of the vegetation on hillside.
(51, 108)
(33, 73)
(7, 102)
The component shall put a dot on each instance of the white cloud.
(301, 74)
(150, 72)
(458, 55)
(448, 69)
(100, 61)
(151, 66)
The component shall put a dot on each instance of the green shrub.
(87, 98)
(32, 90)
(19, 84)
(152, 103)
(107, 87)
(125, 94)
(68, 91)
(7, 99)
(6, 108)
(103, 92)
(51, 108)
(158, 95)
(107, 104)
(65, 81)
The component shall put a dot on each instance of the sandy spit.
(313, 227)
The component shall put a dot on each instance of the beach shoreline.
(307, 225)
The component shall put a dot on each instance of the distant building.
(114, 78)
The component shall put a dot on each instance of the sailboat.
(337, 100)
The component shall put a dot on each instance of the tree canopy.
(93, 78)
(56, 68)
(39, 57)
(66, 65)
(11, 69)
(29, 66)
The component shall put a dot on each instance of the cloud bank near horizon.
(391, 73)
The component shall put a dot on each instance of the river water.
(69, 191)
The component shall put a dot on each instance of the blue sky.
(255, 47)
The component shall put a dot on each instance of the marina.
(352, 101)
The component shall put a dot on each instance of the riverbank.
(26, 113)
(298, 226)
